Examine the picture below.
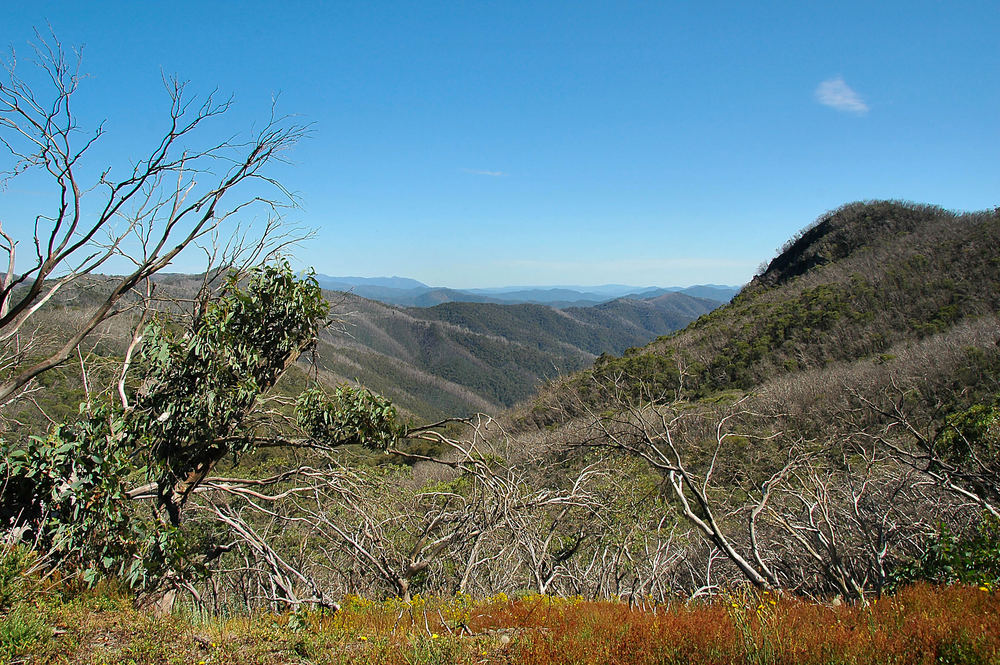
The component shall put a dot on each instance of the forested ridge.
(857, 370)
(863, 281)
(458, 358)
(431, 362)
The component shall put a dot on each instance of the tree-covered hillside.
(456, 358)
(859, 282)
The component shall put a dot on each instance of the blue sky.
(481, 144)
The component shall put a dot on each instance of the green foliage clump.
(19, 631)
(20, 627)
(349, 416)
(643, 375)
(14, 564)
(971, 434)
(200, 385)
(70, 487)
(973, 558)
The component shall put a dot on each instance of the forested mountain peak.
(847, 229)
(854, 285)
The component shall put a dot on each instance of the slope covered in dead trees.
(836, 428)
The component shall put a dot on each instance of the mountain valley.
(457, 358)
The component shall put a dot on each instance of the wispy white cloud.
(495, 174)
(836, 94)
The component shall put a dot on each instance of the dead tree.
(188, 190)
(918, 443)
(829, 515)
(647, 429)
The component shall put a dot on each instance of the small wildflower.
(434, 636)
(983, 588)
(362, 638)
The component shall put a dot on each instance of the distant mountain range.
(459, 357)
(407, 292)
(436, 359)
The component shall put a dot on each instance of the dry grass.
(920, 625)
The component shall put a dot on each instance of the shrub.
(973, 558)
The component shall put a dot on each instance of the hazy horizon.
(487, 287)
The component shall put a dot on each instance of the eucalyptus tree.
(202, 393)
(106, 492)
